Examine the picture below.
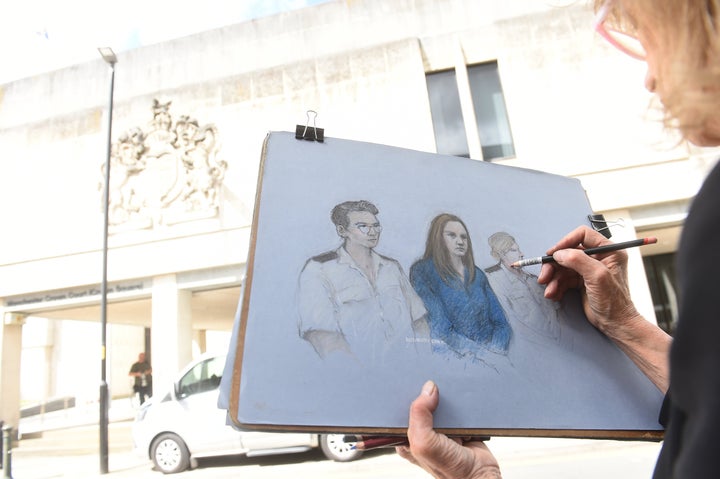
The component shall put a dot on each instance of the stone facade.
(188, 124)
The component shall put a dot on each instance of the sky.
(37, 36)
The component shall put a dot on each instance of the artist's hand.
(602, 280)
(603, 284)
(439, 455)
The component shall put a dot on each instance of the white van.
(175, 428)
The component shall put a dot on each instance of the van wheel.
(170, 454)
(335, 448)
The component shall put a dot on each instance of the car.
(176, 428)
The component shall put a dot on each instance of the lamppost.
(109, 56)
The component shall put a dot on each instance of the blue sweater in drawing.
(460, 310)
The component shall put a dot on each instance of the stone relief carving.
(164, 175)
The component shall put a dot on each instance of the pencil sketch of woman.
(463, 312)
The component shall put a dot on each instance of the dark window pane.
(660, 271)
(490, 112)
(446, 113)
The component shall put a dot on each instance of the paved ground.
(65, 445)
(72, 452)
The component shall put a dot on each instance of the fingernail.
(428, 388)
(559, 255)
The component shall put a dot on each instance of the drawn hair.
(436, 249)
(500, 243)
(339, 214)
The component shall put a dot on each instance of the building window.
(660, 271)
(447, 118)
(485, 94)
(490, 113)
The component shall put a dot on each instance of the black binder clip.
(599, 224)
(310, 133)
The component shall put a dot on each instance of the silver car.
(176, 428)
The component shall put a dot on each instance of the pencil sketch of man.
(531, 316)
(355, 300)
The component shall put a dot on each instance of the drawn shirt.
(532, 317)
(458, 311)
(335, 295)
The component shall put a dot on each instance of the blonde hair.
(689, 42)
(500, 243)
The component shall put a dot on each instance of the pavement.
(119, 410)
(74, 452)
(65, 444)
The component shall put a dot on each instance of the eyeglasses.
(365, 228)
(624, 42)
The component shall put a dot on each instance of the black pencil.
(600, 249)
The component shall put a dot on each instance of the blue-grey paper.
(555, 372)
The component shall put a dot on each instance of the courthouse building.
(525, 83)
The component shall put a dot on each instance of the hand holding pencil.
(572, 267)
(606, 299)
(608, 248)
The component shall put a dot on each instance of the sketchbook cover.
(506, 360)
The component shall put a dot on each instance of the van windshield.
(205, 376)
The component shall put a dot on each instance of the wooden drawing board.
(567, 380)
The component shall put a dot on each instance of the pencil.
(378, 442)
(600, 249)
(391, 441)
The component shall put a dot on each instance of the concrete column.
(199, 342)
(466, 102)
(10, 352)
(171, 331)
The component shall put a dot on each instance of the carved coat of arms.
(167, 174)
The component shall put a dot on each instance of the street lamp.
(109, 56)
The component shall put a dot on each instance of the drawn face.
(456, 238)
(363, 229)
(511, 255)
